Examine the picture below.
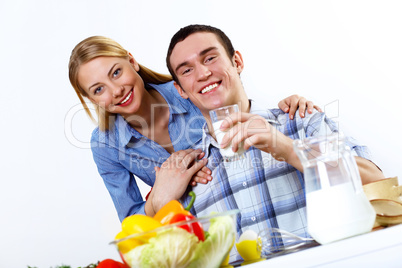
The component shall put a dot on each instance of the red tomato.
(109, 263)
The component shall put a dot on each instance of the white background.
(344, 55)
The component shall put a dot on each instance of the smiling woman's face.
(113, 83)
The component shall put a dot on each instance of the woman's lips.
(127, 100)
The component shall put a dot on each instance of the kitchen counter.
(379, 248)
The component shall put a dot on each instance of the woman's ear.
(182, 93)
(238, 61)
(133, 62)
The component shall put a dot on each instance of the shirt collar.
(177, 105)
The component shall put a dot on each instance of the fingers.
(203, 175)
(294, 103)
(230, 134)
(302, 105)
(185, 161)
(233, 119)
(197, 166)
(255, 125)
(283, 106)
(310, 107)
(317, 108)
(182, 159)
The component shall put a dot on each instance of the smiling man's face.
(206, 74)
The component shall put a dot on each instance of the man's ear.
(238, 61)
(180, 90)
(133, 62)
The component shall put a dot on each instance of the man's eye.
(185, 71)
(210, 58)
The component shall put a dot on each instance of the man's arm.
(369, 172)
(255, 131)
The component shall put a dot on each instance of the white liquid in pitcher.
(227, 151)
(338, 212)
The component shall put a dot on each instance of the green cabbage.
(169, 248)
(177, 247)
(213, 251)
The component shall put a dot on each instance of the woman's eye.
(116, 73)
(97, 90)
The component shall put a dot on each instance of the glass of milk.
(217, 117)
(336, 205)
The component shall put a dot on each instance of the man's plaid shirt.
(268, 193)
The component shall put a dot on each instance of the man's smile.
(209, 88)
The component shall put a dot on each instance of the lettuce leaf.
(178, 248)
(169, 248)
(213, 251)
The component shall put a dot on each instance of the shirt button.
(244, 184)
(253, 218)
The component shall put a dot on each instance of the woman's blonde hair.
(100, 46)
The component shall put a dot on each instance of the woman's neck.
(153, 105)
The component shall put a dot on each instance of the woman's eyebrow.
(108, 74)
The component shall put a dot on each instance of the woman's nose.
(117, 91)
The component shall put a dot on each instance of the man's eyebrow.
(202, 53)
(108, 74)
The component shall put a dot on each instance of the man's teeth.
(126, 99)
(209, 88)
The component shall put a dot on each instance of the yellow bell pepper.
(127, 244)
(136, 224)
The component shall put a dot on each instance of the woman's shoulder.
(99, 136)
(170, 94)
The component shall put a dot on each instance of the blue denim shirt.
(122, 152)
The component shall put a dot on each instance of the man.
(268, 186)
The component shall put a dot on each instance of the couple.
(206, 70)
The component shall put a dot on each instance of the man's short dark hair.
(184, 32)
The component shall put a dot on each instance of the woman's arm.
(294, 102)
(119, 181)
(173, 177)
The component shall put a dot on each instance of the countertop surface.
(379, 248)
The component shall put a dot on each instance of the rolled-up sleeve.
(119, 181)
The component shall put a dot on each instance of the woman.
(142, 121)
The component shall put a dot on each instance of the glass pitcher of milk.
(336, 205)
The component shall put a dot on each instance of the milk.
(338, 212)
(227, 151)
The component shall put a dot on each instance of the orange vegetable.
(166, 213)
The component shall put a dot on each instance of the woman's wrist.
(149, 207)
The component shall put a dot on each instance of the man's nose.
(203, 72)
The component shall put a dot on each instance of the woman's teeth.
(209, 88)
(127, 98)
